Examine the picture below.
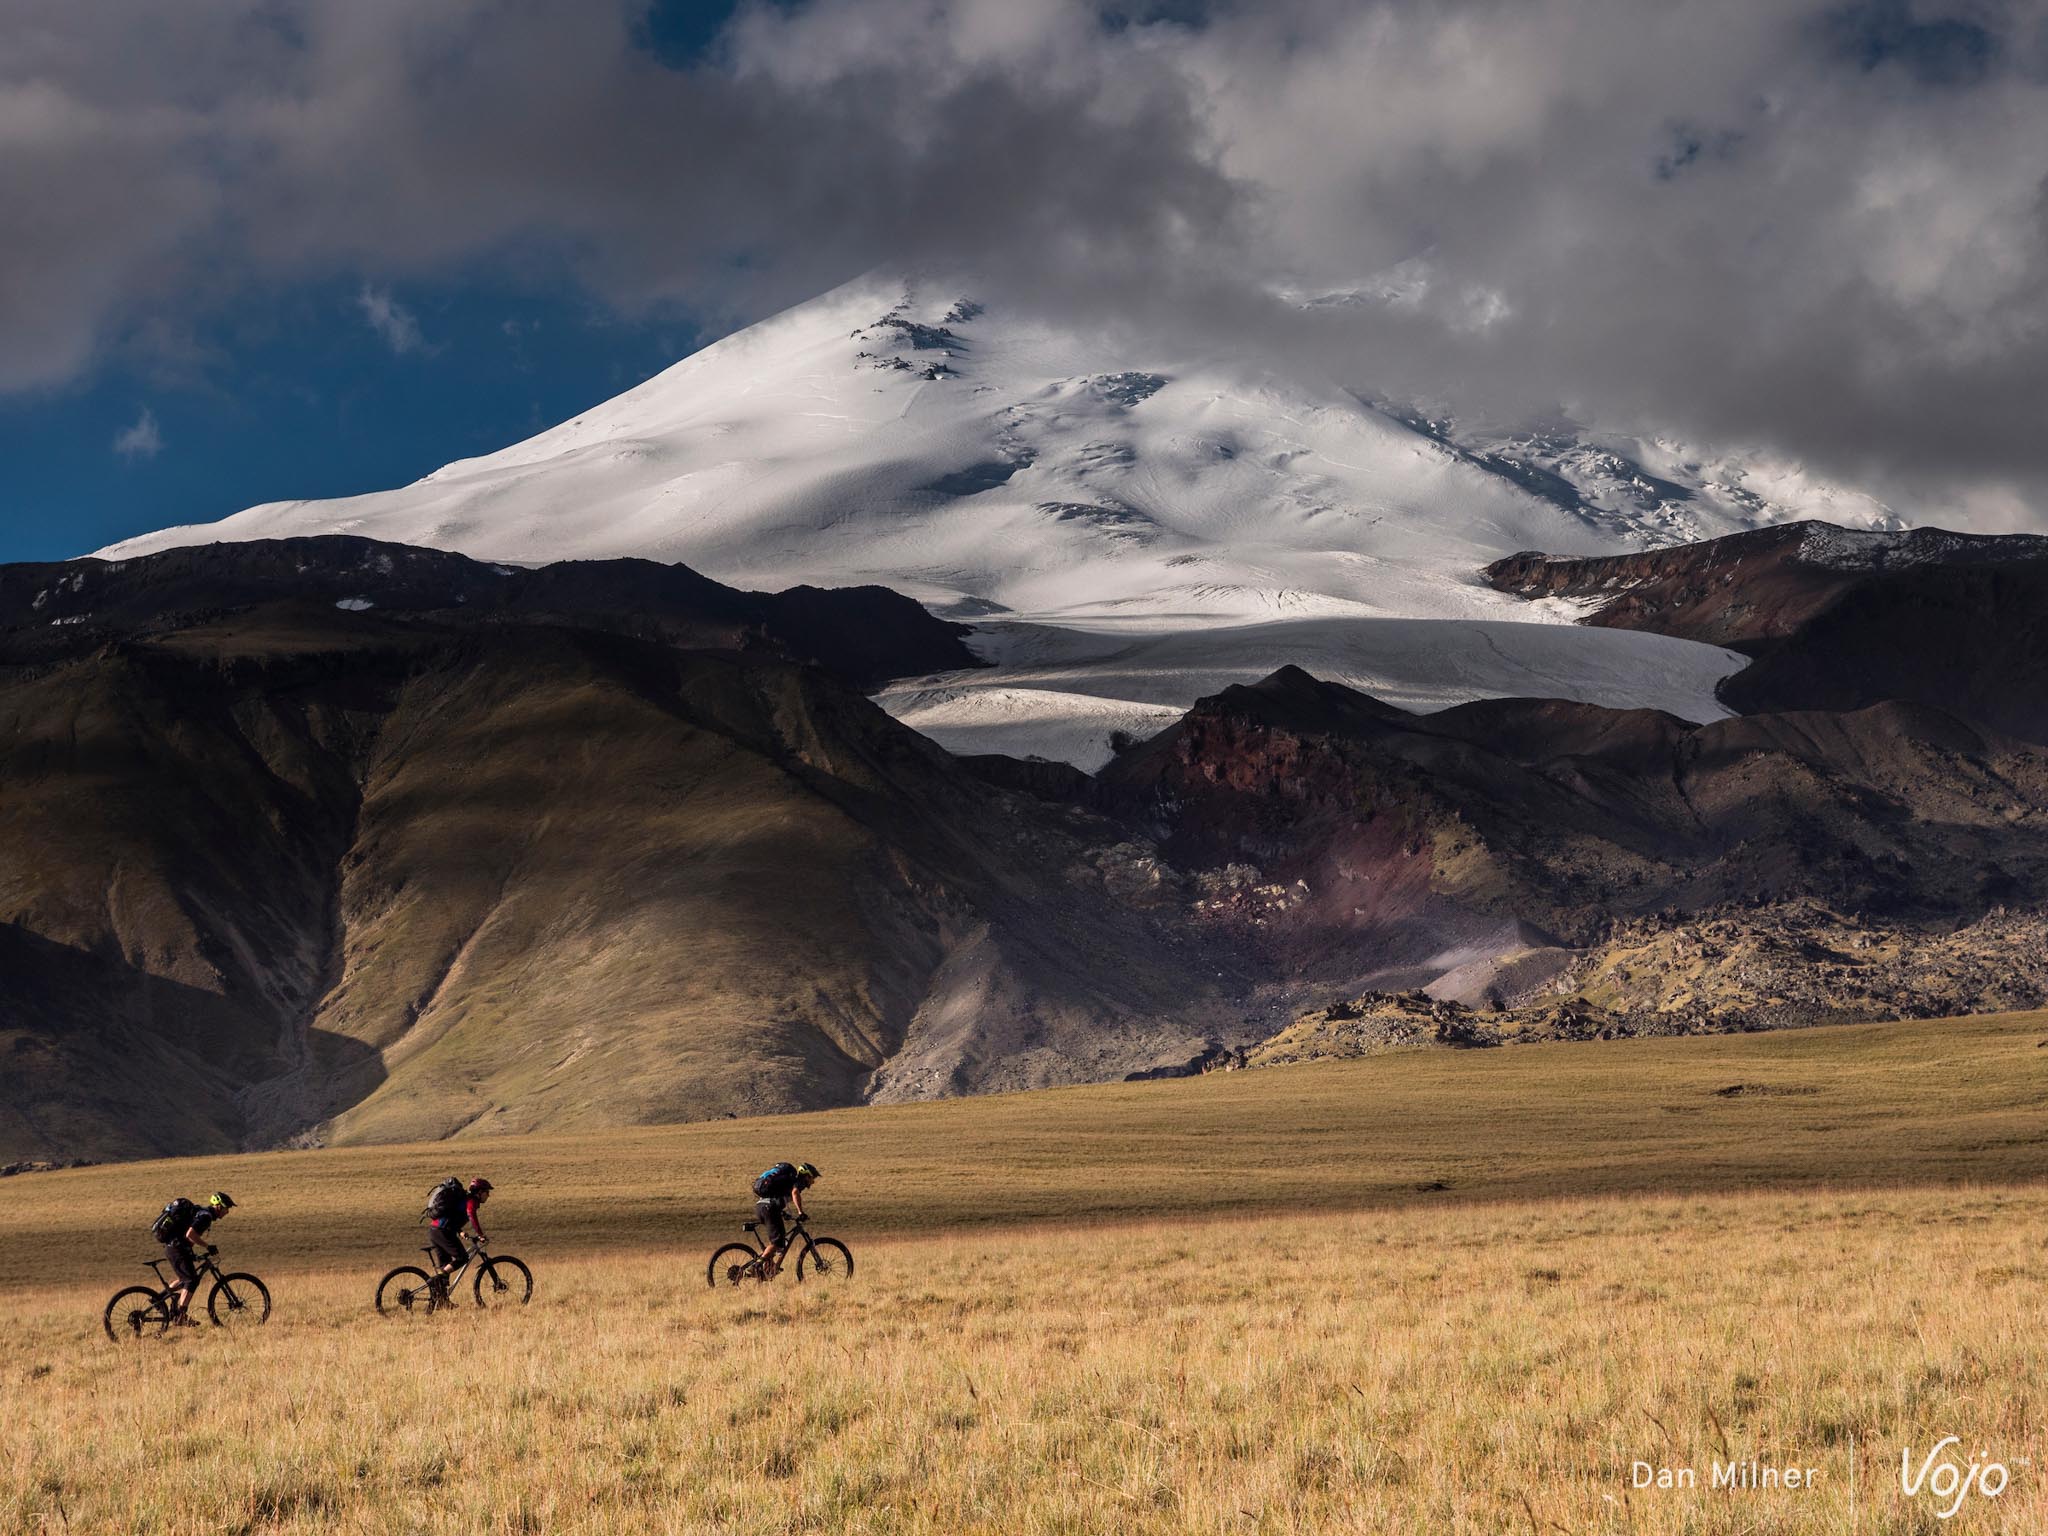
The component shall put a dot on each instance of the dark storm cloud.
(1936, 49)
(1818, 229)
(156, 156)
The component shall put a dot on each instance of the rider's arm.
(475, 1210)
(195, 1236)
(796, 1199)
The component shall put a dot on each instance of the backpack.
(767, 1180)
(445, 1200)
(174, 1222)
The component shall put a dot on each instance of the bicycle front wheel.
(405, 1293)
(732, 1264)
(138, 1312)
(504, 1282)
(239, 1301)
(826, 1258)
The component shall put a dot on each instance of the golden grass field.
(1221, 1305)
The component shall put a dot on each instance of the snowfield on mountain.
(1129, 525)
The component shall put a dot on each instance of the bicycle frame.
(205, 1264)
(473, 1245)
(798, 1236)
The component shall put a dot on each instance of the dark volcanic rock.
(865, 634)
(1341, 835)
(1837, 619)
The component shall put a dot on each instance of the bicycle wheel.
(135, 1313)
(405, 1293)
(732, 1264)
(238, 1301)
(825, 1257)
(503, 1281)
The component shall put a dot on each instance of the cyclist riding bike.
(450, 1209)
(183, 1225)
(774, 1188)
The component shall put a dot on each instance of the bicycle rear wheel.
(504, 1282)
(138, 1312)
(239, 1301)
(826, 1258)
(405, 1292)
(732, 1264)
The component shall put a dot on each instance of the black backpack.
(174, 1222)
(444, 1200)
(772, 1183)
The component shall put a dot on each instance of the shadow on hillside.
(104, 1060)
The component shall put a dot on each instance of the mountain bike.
(825, 1257)
(236, 1301)
(409, 1291)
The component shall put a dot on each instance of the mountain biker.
(445, 1228)
(178, 1249)
(783, 1184)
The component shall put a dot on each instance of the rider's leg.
(187, 1274)
(448, 1255)
(769, 1212)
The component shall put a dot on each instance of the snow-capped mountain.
(1130, 527)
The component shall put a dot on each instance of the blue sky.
(301, 395)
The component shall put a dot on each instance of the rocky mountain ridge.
(326, 840)
(1775, 968)
(53, 610)
(1835, 618)
(300, 869)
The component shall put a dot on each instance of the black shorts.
(769, 1214)
(180, 1255)
(448, 1243)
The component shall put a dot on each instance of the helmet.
(808, 1172)
(219, 1201)
(479, 1187)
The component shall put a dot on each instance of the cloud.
(143, 440)
(1818, 228)
(390, 319)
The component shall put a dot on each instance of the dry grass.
(1487, 1369)
(1120, 1314)
(1946, 1101)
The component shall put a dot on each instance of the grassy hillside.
(1625, 1263)
(412, 880)
(1941, 1102)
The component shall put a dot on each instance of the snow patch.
(1062, 693)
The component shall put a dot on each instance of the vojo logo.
(1945, 1478)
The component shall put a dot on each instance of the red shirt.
(466, 1219)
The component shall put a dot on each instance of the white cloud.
(143, 440)
(1815, 225)
(390, 319)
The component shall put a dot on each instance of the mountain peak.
(1135, 522)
